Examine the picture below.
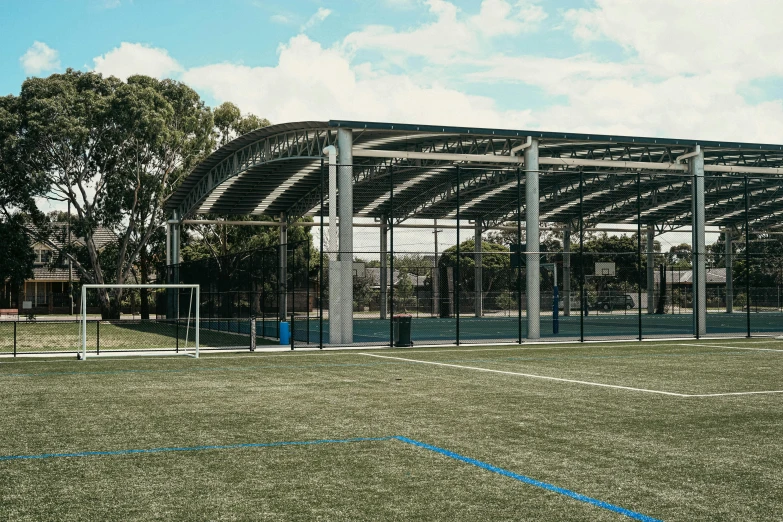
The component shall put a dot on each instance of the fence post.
(293, 294)
(747, 257)
(15, 323)
(639, 249)
(582, 297)
(98, 337)
(391, 256)
(519, 255)
(253, 333)
(321, 267)
(459, 261)
(176, 329)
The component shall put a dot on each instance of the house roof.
(374, 274)
(59, 237)
(44, 273)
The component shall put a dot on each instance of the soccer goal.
(151, 319)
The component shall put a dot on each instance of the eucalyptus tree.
(114, 150)
(17, 204)
(230, 123)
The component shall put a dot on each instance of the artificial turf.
(667, 457)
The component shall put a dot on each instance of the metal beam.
(306, 143)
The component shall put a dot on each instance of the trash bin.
(285, 333)
(402, 330)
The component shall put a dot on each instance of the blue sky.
(708, 69)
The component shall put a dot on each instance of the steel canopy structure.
(276, 170)
(397, 172)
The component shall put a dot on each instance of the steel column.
(335, 303)
(696, 167)
(345, 215)
(532, 242)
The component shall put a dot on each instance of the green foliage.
(680, 257)
(229, 122)
(506, 300)
(20, 177)
(362, 292)
(403, 292)
(215, 241)
(115, 150)
(16, 261)
(496, 262)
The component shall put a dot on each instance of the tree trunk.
(145, 305)
(110, 305)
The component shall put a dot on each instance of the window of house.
(43, 255)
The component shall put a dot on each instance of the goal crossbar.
(86, 287)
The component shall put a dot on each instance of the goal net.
(153, 319)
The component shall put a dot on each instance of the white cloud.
(280, 19)
(401, 4)
(310, 82)
(316, 19)
(451, 36)
(693, 37)
(134, 58)
(649, 92)
(440, 41)
(499, 17)
(40, 58)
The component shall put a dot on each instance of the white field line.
(573, 381)
(733, 347)
(766, 392)
(530, 375)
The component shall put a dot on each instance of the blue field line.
(527, 480)
(193, 448)
(456, 456)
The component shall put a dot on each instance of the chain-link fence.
(449, 247)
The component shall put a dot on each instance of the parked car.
(614, 302)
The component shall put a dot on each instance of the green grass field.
(669, 430)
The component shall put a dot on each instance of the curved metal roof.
(278, 169)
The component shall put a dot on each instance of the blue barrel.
(285, 333)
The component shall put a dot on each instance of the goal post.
(184, 306)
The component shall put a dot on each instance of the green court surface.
(430, 330)
(664, 430)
